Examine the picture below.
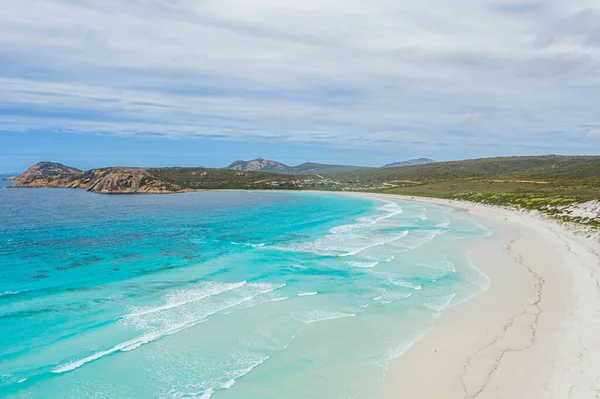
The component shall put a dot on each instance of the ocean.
(219, 295)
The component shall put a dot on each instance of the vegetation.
(311, 168)
(410, 162)
(206, 178)
(552, 167)
(547, 184)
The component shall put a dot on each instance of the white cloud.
(332, 72)
(593, 134)
(472, 117)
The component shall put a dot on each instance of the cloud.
(343, 73)
(593, 134)
(557, 66)
(517, 7)
(472, 117)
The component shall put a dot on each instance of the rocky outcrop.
(45, 174)
(117, 180)
(122, 180)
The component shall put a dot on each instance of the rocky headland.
(115, 180)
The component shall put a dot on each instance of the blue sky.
(189, 82)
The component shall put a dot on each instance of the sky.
(94, 83)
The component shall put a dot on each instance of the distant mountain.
(260, 164)
(410, 162)
(307, 168)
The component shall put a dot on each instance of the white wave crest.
(389, 297)
(417, 238)
(124, 347)
(171, 324)
(307, 293)
(352, 239)
(397, 280)
(233, 377)
(363, 265)
(314, 316)
(278, 299)
(391, 208)
(439, 303)
(246, 244)
(184, 297)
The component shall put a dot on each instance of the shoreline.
(534, 333)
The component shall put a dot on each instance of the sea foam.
(352, 239)
(184, 297)
(169, 327)
(314, 316)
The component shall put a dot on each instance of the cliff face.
(117, 180)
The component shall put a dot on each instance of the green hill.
(544, 183)
(553, 167)
(312, 168)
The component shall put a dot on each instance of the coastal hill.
(307, 168)
(410, 162)
(45, 174)
(116, 180)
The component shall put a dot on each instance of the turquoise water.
(219, 294)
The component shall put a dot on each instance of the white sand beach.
(535, 333)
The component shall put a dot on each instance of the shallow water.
(219, 294)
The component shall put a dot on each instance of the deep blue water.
(219, 294)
